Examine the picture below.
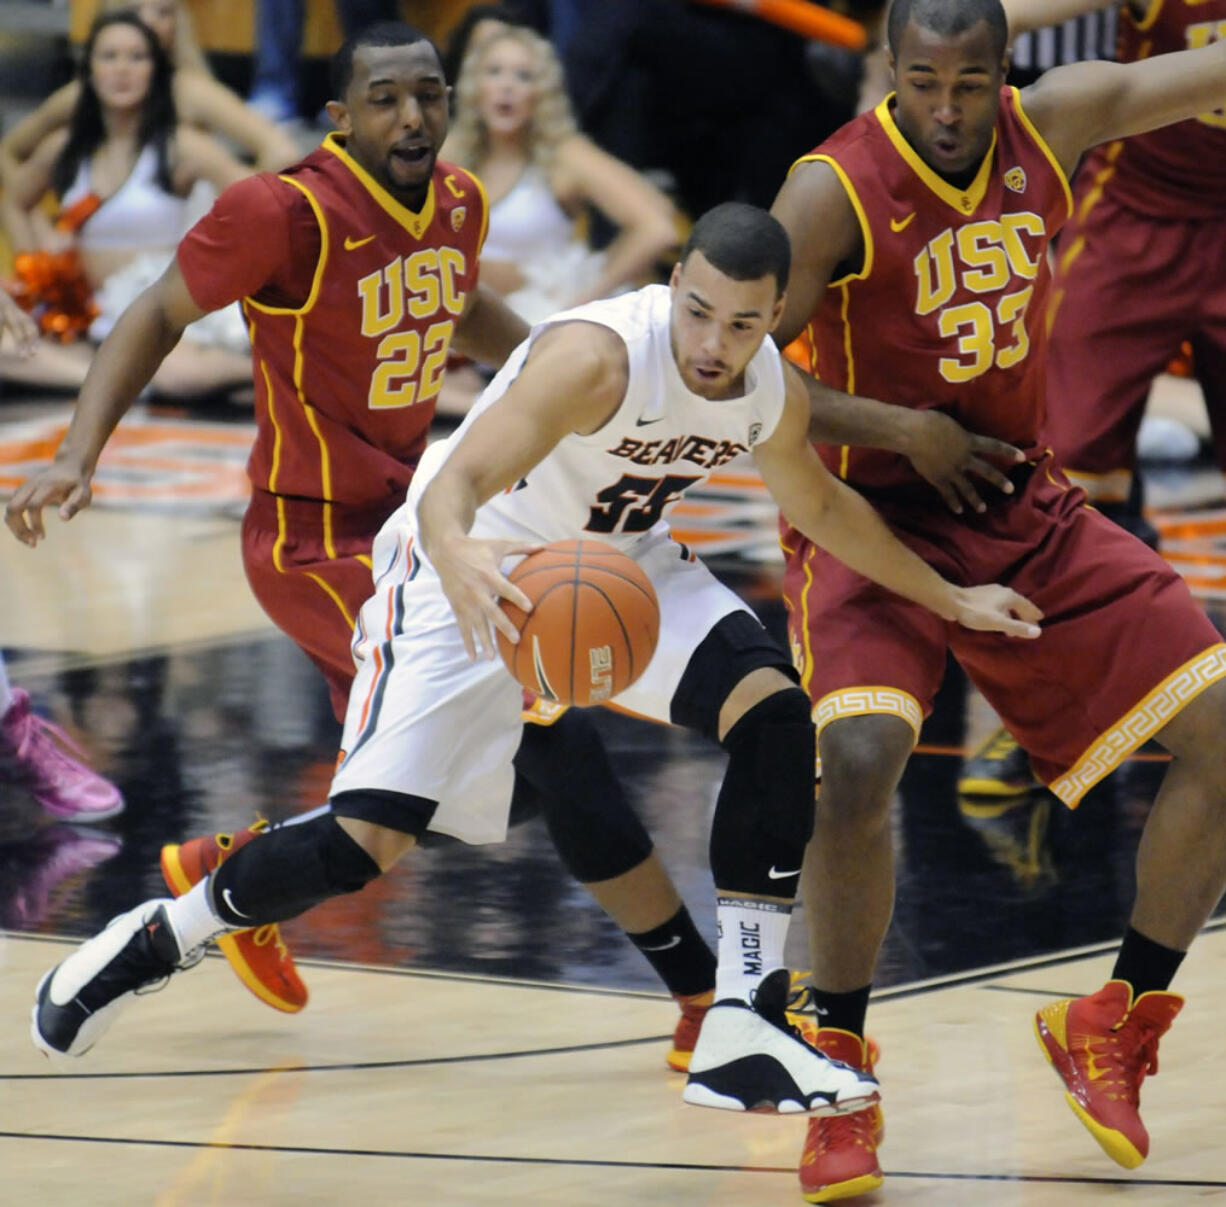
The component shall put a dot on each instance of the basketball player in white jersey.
(597, 425)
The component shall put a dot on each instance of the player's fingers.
(1022, 607)
(989, 447)
(34, 517)
(950, 496)
(966, 489)
(15, 518)
(1012, 627)
(990, 474)
(505, 625)
(505, 589)
(78, 499)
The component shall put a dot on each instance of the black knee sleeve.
(285, 872)
(764, 815)
(565, 768)
(736, 645)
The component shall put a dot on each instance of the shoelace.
(1131, 1050)
(34, 733)
(840, 1131)
(270, 932)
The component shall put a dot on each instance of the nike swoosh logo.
(225, 896)
(352, 244)
(664, 946)
(641, 422)
(902, 225)
(774, 874)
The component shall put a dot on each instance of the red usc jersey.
(352, 300)
(946, 308)
(1179, 171)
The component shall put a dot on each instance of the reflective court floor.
(477, 1028)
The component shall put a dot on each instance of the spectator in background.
(199, 99)
(515, 129)
(124, 167)
(278, 40)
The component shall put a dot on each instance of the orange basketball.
(593, 626)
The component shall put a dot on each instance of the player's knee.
(773, 743)
(384, 824)
(564, 770)
(736, 651)
(862, 761)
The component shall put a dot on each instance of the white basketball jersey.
(621, 482)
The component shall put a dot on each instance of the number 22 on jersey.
(418, 288)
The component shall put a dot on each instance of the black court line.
(595, 1162)
(425, 1061)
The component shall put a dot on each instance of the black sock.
(1144, 964)
(844, 1011)
(679, 954)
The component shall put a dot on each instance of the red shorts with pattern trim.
(1123, 648)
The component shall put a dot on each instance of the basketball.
(593, 626)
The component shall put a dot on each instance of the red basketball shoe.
(1102, 1047)
(839, 1159)
(259, 956)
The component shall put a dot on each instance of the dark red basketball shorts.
(310, 580)
(1124, 646)
(1128, 291)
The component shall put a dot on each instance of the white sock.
(6, 691)
(192, 918)
(751, 939)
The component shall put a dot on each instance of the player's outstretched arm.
(1025, 15)
(123, 365)
(1084, 104)
(572, 381)
(488, 330)
(838, 519)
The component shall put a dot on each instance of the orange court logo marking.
(157, 464)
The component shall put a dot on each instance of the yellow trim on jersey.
(415, 224)
(1141, 723)
(336, 599)
(320, 263)
(325, 472)
(1041, 143)
(1151, 15)
(485, 213)
(361, 557)
(850, 388)
(854, 197)
(868, 701)
(806, 671)
(1077, 246)
(965, 201)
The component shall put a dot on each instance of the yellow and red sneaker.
(259, 956)
(685, 1034)
(1102, 1047)
(839, 1159)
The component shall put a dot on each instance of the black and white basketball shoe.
(750, 1058)
(78, 999)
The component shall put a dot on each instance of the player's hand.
(945, 454)
(60, 485)
(996, 609)
(469, 570)
(18, 325)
